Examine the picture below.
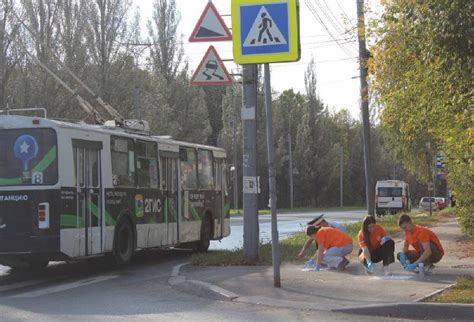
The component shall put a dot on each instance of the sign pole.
(249, 164)
(272, 178)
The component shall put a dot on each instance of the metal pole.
(341, 177)
(430, 177)
(136, 103)
(136, 92)
(363, 57)
(272, 178)
(249, 162)
(290, 169)
(234, 143)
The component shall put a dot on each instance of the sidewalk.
(332, 290)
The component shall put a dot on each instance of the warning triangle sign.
(210, 26)
(264, 31)
(211, 70)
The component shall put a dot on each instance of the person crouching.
(427, 247)
(333, 246)
(375, 246)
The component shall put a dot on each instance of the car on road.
(438, 203)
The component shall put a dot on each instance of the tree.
(107, 32)
(167, 49)
(8, 57)
(423, 75)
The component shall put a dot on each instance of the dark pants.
(413, 255)
(384, 253)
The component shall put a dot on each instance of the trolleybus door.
(172, 202)
(219, 197)
(89, 196)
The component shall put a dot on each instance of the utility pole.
(136, 89)
(341, 177)
(234, 144)
(272, 178)
(249, 162)
(290, 166)
(430, 175)
(364, 101)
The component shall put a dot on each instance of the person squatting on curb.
(319, 222)
(428, 248)
(375, 246)
(333, 245)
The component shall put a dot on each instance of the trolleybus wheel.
(203, 244)
(123, 243)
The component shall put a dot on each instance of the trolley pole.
(272, 178)
(364, 101)
(249, 162)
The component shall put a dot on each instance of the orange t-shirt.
(328, 237)
(421, 235)
(375, 237)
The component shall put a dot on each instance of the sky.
(335, 55)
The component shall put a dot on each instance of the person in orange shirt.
(375, 246)
(427, 247)
(333, 245)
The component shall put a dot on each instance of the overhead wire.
(333, 20)
(315, 14)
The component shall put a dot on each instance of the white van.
(391, 196)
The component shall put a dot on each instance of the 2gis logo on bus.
(145, 206)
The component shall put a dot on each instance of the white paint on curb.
(177, 268)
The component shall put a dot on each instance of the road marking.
(67, 286)
(14, 286)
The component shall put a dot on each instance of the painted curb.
(436, 311)
(199, 288)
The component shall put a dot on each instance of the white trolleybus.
(72, 191)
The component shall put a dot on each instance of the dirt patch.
(465, 246)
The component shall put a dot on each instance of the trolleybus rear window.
(28, 157)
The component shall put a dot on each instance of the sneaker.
(342, 265)
(367, 270)
(386, 271)
(430, 268)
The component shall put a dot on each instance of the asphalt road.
(95, 290)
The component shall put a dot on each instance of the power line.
(315, 14)
(332, 19)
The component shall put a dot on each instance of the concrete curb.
(436, 311)
(421, 299)
(199, 288)
(412, 310)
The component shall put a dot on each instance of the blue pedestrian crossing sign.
(265, 31)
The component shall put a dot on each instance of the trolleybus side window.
(188, 168)
(147, 165)
(205, 170)
(123, 162)
(218, 174)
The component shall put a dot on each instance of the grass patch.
(462, 292)
(288, 250)
(240, 212)
(290, 247)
